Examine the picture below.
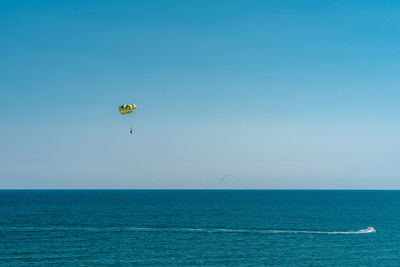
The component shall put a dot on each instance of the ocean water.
(199, 228)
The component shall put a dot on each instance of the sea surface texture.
(199, 228)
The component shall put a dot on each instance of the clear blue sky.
(230, 94)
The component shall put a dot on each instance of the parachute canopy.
(126, 108)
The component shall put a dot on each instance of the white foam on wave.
(199, 230)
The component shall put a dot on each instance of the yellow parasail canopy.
(126, 108)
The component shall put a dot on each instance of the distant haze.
(229, 94)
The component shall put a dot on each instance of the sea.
(199, 228)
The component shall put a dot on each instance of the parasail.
(126, 108)
(126, 111)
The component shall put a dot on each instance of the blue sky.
(230, 94)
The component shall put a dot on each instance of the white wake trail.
(193, 230)
(259, 231)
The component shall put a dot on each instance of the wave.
(199, 230)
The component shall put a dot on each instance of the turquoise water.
(199, 227)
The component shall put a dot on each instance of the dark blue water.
(189, 227)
